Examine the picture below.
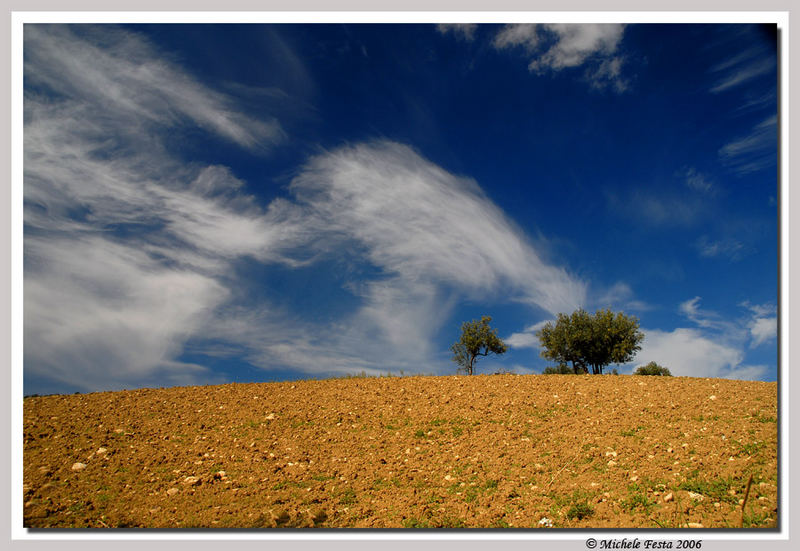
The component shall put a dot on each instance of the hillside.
(519, 451)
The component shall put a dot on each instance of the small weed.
(420, 434)
(754, 520)
(580, 511)
(347, 497)
(632, 432)
(433, 498)
(716, 489)
(765, 419)
(751, 448)
(415, 523)
(457, 431)
(637, 500)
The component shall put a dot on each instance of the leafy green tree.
(652, 369)
(591, 340)
(477, 339)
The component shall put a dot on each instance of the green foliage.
(652, 369)
(560, 369)
(580, 511)
(591, 340)
(477, 339)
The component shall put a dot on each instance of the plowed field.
(510, 451)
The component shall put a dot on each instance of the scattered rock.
(78, 466)
(695, 525)
(669, 497)
(45, 470)
(172, 491)
(634, 478)
(192, 481)
(101, 451)
(611, 463)
(696, 497)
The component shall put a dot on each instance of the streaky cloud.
(113, 68)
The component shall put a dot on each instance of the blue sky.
(232, 203)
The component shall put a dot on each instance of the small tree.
(477, 339)
(652, 369)
(587, 340)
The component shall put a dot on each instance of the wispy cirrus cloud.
(757, 150)
(418, 221)
(555, 47)
(126, 246)
(116, 69)
(621, 296)
(731, 248)
(131, 252)
(742, 68)
(666, 208)
(698, 181)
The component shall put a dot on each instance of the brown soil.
(481, 451)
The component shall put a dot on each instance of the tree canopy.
(591, 340)
(477, 339)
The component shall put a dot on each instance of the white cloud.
(421, 223)
(658, 210)
(763, 330)
(689, 353)
(526, 338)
(559, 46)
(756, 151)
(461, 30)
(725, 327)
(113, 68)
(621, 296)
(763, 324)
(103, 315)
(698, 181)
(731, 248)
(742, 68)
(130, 253)
(126, 248)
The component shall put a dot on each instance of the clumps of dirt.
(514, 451)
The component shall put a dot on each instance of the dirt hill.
(517, 451)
